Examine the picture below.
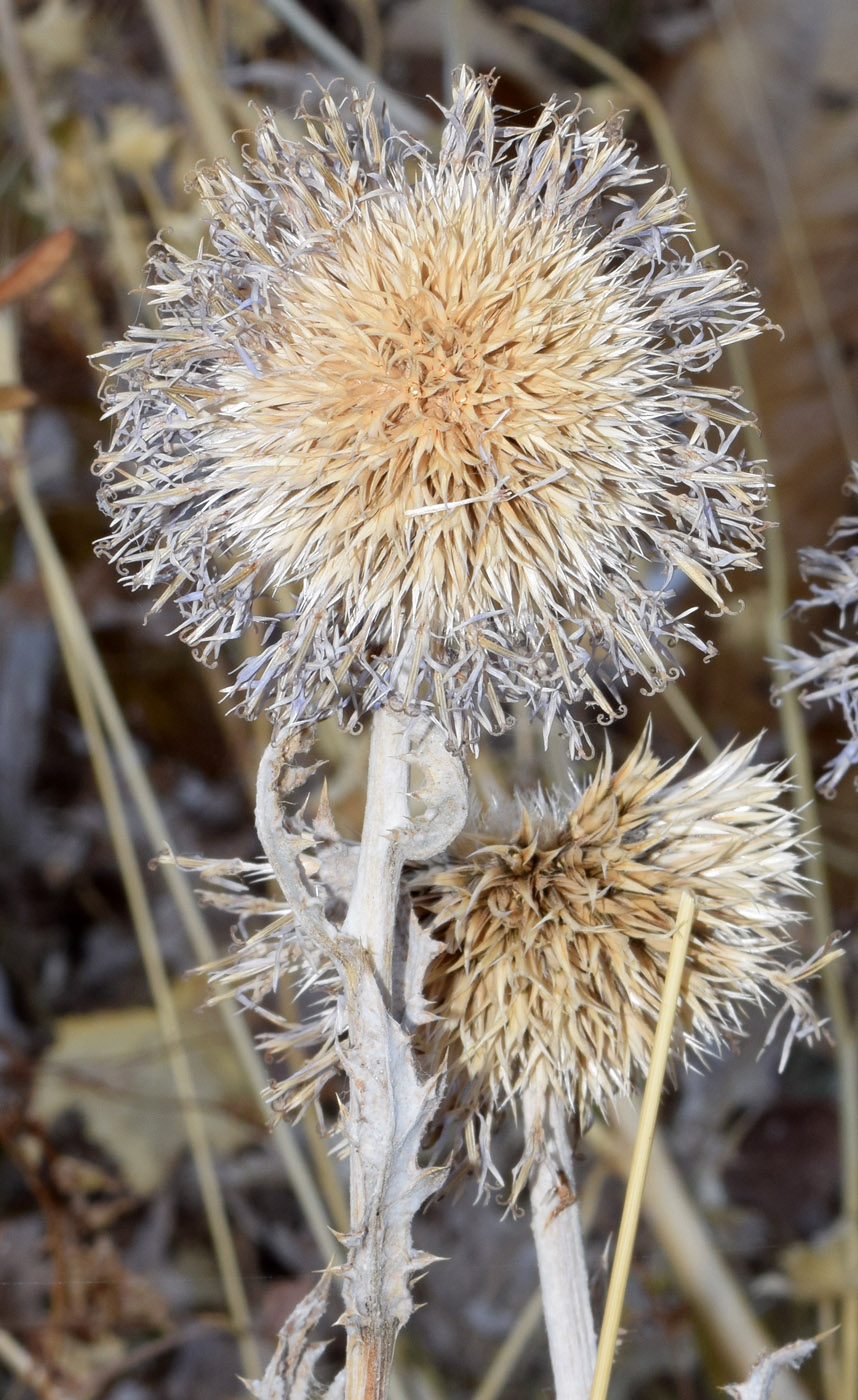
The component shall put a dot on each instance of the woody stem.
(371, 921)
(556, 1225)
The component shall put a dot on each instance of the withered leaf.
(37, 267)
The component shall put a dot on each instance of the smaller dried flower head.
(832, 674)
(556, 933)
(435, 426)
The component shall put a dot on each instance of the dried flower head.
(832, 674)
(434, 424)
(556, 933)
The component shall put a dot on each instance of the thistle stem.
(556, 1224)
(390, 1106)
(371, 920)
(371, 917)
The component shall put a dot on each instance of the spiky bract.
(832, 673)
(557, 930)
(433, 423)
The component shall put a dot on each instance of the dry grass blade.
(41, 150)
(635, 88)
(187, 50)
(773, 168)
(344, 63)
(642, 1148)
(156, 974)
(777, 621)
(705, 1278)
(511, 1350)
(681, 707)
(29, 1371)
(71, 623)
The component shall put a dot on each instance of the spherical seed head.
(556, 937)
(432, 423)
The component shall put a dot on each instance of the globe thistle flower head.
(556, 933)
(434, 427)
(831, 673)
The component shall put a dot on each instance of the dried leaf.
(112, 1067)
(37, 267)
(15, 397)
(57, 34)
(289, 1374)
(444, 793)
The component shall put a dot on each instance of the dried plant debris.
(290, 1374)
(831, 673)
(435, 427)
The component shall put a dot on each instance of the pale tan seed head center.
(435, 374)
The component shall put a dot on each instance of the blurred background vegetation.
(124, 1158)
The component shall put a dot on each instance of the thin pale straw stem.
(845, 1031)
(43, 156)
(842, 1021)
(71, 627)
(556, 1225)
(511, 1350)
(187, 49)
(344, 62)
(761, 129)
(685, 1239)
(635, 87)
(683, 710)
(642, 1148)
(69, 620)
(138, 902)
(829, 1360)
(159, 985)
(456, 39)
(30, 1371)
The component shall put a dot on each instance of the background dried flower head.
(557, 922)
(832, 672)
(435, 423)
